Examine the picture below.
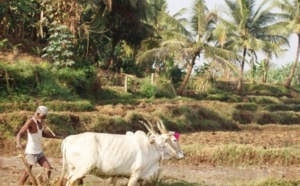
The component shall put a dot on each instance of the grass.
(55, 105)
(241, 155)
(273, 182)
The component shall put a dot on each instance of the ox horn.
(149, 127)
(162, 127)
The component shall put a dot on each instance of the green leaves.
(60, 48)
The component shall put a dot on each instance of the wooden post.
(126, 83)
(174, 91)
(152, 78)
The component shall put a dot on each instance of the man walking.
(33, 152)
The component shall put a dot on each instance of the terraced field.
(219, 149)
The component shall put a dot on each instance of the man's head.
(42, 112)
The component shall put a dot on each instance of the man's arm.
(50, 135)
(21, 132)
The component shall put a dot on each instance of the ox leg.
(80, 181)
(77, 174)
(133, 181)
(113, 180)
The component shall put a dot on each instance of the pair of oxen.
(133, 155)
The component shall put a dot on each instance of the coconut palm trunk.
(185, 81)
(240, 85)
(288, 81)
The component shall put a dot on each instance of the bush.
(282, 107)
(243, 116)
(19, 77)
(246, 106)
(224, 97)
(23, 82)
(76, 106)
(148, 89)
(60, 48)
(263, 99)
(164, 88)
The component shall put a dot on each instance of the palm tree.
(177, 43)
(291, 10)
(110, 23)
(156, 51)
(263, 68)
(249, 29)
(203, 24)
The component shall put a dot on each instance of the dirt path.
(10, 168)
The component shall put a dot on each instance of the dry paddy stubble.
(269, 145)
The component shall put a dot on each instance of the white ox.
(134, 155)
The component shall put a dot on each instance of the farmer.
(34, 152)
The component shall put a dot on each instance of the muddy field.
(198, 173)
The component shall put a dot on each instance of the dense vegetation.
(78, 38)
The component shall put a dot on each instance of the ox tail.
(63, 150)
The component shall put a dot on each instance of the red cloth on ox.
(176, 135)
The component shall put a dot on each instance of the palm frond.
(156, 54)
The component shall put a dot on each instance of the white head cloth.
(42, 110)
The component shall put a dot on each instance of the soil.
(201, 173)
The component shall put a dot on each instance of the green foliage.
(3, 43)
(185, 118)
(75, 106)
(108, 124)
(292, 100)
(80, 81)
(60, 48)
(23, 82)
(282, 107)
(243, 116)
(19, 18)
(148, 89)
(246, 106)
(18, 78)
(161, 87)
(115, 95)
(266, 89)
(17, 106)
(277, 75)
(273, 182)
(37, 51)
(175, 75)
(263, 99)
(54, 106)
(164, 88)
(50, 87)
(16, 120)
(62, 123)
(224, 97)
(263, 117)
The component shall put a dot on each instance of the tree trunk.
(111, 59)
(187, 77)
(266, 70)
(240, 84)
(288, 81)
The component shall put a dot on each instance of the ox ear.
(151, 140)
